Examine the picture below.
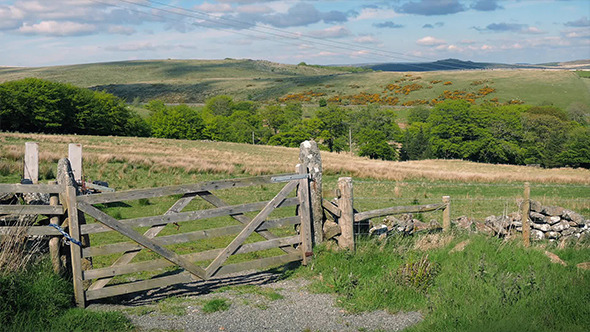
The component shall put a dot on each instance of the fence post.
(309, 156)
(346, 220)
(54, 242)
(75, 157)
(526, 205)
(75, 250)
(305, 214)
(447, 214)
(31, 162)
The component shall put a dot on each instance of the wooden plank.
(144, 241)
(217, 202)
(185, 277)
(75, 250)
(32, 209)
(251, 227)
(32, 231)
(186, 216)
(447, 214)
(139, 286)
(32, 188)
(346, 220)
(174, 190)
(31, 162)
(306, 232)
(258, 264)
(186, 237)
(151, 265)
(333, 209)
(75, 158)
(150, 233)
(310, 157)
(396, 210)
(525, 213)
(54, 242)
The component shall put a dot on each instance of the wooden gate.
(294, 247)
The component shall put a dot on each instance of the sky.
(59, 32)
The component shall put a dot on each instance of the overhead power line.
(230, 25)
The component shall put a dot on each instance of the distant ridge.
(456, 64)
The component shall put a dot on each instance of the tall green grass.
(493, 285)
(36, 299)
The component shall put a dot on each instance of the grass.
(215, 305)
(492, 285)
(193, 81)
(36, 299)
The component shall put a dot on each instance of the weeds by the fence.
(492, 285)
(16, 250)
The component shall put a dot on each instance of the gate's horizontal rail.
(179, 189)
(185, 277)
(185, 237)
(31, 231)
(184, 216)
(32, 209)
(397, 210)
(112, 271)
(32, 188)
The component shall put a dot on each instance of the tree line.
(511, 134)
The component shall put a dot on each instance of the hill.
(193, 81)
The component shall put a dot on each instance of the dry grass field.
(233, 158)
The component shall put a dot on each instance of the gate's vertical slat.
(75, 250)
(305, 215)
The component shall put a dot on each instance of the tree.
(373, 144)
(180, 122)
(220, 105)
(332, 126)
(577, 148)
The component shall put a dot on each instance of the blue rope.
(61, 230)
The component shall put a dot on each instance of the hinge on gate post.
(308, 253)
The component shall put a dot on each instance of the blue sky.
(56, 32)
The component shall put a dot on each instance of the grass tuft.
(216, 305)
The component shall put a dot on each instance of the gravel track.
(298, 310)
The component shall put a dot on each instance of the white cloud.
(54, 28)
(336, 31)
(376, 13)
(254, 9)
(430, 41)
(214, 7)
(366, 39)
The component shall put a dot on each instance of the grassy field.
(193, 81)
(492, 281)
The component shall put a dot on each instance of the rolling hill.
(193, 81)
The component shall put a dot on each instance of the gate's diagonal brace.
(217, 202)
(115, 225)
(248, 229)
(150, 233)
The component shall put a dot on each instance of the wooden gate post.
(54, 242)
(346, 220)
(75, 250)
(305, 215)
(447, 214)
(309, 156)
(526, 206)
(31, 162)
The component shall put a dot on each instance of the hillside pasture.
(193, 81)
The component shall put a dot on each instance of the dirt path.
(257, 302)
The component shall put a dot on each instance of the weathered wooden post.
(309, 157)
(447, 214)
(54, 242)
(304, 212)
(346, 220)
(75, 157)
(525, 212)
(31, 162)
(75, 250)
